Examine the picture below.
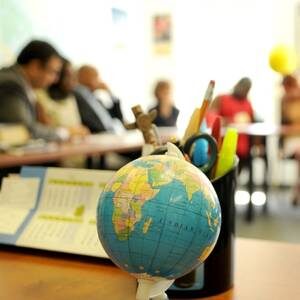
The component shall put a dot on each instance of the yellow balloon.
(283, 59)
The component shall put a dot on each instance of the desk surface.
(93, 145)
(266, 129)
(129, 141)
(99, 144)
(264, 271)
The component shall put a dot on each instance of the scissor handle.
(187, 147)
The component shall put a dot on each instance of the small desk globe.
(158, 218)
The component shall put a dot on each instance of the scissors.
(191, 145)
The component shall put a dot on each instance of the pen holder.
(215, 275)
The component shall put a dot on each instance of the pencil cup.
(215, 275)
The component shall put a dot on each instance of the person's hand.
(103, 86)
(79, 131)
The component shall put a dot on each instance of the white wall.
(213, 39)
(223, 40)
(82, 31)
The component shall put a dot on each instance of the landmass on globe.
(158, 216)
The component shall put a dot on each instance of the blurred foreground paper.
(19, 192)
(11, 219)
(65, 219)
(18, 196)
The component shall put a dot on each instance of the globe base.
(153, 288)
(162, 296)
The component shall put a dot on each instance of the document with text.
(64, 215)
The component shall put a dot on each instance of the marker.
(227, 152)
(216, 133)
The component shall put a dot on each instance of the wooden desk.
(92, 145)
(264, 271)
(257, 129)
(98, 144)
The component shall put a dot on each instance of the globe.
(159, 216)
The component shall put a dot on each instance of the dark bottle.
(215, 276)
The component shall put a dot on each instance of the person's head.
(290, 83)
(89, 77)
(242, 88)
(162, 92)
(41, 63)
(66, 82)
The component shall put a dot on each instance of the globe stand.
(162, 296)
(153, 288)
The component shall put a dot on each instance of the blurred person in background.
(57, 106)
(290, 104)
(38, 66)
(290, 116)
(95, 115)
(167, 113)
(236, 108)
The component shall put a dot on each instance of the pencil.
(206, 102)
(199, 113)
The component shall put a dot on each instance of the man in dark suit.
(94, 114)
(38, 66)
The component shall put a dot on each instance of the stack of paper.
(53, 209)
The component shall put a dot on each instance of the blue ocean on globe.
(158, 216)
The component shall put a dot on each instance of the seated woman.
(167, 113)
(57, 106)
(290, 115)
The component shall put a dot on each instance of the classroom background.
(220, 40)
(87, 87)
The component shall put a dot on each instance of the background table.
(92, 145)
(97, 144)
(264, 271)
(265, 131)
